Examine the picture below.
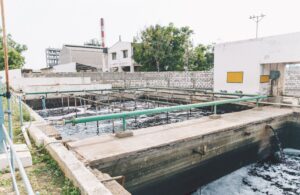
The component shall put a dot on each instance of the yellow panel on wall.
(264, 78)
(235, 77)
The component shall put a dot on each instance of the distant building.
(52, 56)
(85, 55)
(70, 67)
(120, 57)
(92, 58)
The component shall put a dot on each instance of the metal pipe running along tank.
(125, 115)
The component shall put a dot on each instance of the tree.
(161, 48)
(15, 58)
(202, 58)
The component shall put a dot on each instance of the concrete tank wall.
(152, 171)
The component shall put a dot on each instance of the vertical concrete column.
(131, 68)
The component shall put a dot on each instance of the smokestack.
(102, 32)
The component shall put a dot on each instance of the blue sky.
(43, 23)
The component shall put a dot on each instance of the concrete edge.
(72, 167)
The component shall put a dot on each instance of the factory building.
(116, 58)
(256, 65)
(85, 55)
(92, 58)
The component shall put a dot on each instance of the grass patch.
(51, 168)
(45, 175)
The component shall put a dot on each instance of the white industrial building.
(70, 67)
(255, 66)
(74, 58)
(84, 55)
(120, 57)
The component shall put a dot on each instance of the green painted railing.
(125, 115)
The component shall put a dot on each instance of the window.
(114, 56)
(125, 53)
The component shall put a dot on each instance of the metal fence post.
(44, 103)
(124, 123)
(11, 134)
(20, 111)
(215, 109)
(2, 136)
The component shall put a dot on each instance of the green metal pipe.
(158, 110)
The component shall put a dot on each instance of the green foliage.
(51, 168)
(168, 48)
(15, 50)
(5, 182)
(161, 48)
(202, 58)
(69, 189)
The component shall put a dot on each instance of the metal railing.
(125, 115)
(8, 147)
(10, 150)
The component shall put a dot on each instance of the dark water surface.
(262, 178)
(91, 129)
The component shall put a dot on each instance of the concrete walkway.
(107, 147)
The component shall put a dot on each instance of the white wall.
(63, 87)
(14, 76)
(248, 55)
(70, 67)
(89, 56)
(120, 61)
(44, 83)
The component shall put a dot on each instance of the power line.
(257, 19)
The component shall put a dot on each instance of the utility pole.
(257, 19)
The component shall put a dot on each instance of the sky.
(51, 23)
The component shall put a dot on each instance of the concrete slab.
(123, 134)
(107, 147)
(23, 153)
(50, 131)
(215, 116)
